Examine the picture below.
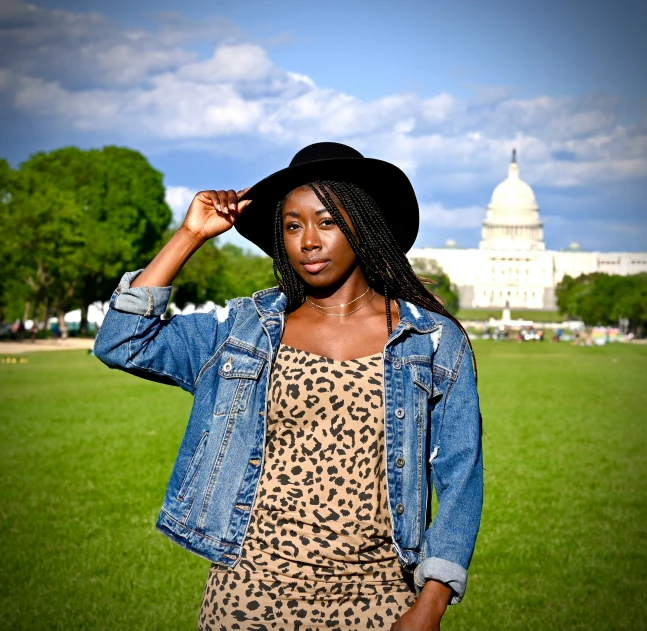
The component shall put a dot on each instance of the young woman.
(325, 409)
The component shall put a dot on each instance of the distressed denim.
(224, 358)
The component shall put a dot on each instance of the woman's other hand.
(427, 611)
(213, 212)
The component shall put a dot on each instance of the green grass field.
(85, 454)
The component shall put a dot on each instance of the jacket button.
(399, 462)
(400, 509)
(397, 365)
(399, 413)
(227, 367)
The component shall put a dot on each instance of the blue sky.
(218, 95)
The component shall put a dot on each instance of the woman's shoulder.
(432, 320)
(449, 341)
(264, 302)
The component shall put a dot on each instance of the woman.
(324, 409)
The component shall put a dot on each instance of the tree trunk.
(26, 315)
(62, 327)
(83, 327)
(45, 313)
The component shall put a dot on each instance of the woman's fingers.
(213, 196)
(224, 202)
(242, 204)
(232, 200)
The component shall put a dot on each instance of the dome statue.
(512, 220)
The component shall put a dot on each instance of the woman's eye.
(328, 222)
(290, 226)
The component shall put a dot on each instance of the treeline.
(73, 221)
(441, 287)
(603, 299)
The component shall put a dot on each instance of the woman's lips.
(313, 268)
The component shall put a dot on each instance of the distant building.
(511, 264)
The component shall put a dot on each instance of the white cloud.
(436, 215)
(77, 50)
(82, 72)
(179, 198)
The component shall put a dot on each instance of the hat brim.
(383, 181)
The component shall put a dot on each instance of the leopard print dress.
(318, 551)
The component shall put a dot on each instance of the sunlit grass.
(85, 454)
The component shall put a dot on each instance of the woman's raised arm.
(134, 338)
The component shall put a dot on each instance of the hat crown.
(324, 151)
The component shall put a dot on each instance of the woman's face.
(316, 247)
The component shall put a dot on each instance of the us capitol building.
(511, 265)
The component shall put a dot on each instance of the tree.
(201, 279)
(441, 286)
(120, 216)
(218, 274)
(246, 273)
(7, 185)
(605, 299)
(44, 242)
(631, 304)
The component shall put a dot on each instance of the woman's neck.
(353, 287)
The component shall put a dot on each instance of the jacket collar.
(272, 302)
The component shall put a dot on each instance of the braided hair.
(384, 264)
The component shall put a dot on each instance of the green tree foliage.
(605, 299)
(122, 213)
(201, 278)
(441, 286)
(77, 219)
(7, 279)
(245, 273)
(218, 274)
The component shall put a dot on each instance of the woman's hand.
(213, 212)
(427, 611)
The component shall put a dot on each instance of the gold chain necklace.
(345, 304)
(341, 315)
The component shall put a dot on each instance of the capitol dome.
(512, 220)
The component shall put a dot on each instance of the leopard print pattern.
(318, 551)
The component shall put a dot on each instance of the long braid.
(387, 302)
(383, 263)
(285, 275)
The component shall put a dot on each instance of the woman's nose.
(310, 239)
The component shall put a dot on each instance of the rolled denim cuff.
(144, 301)
(451, 574)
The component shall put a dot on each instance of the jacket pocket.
(238, 374)
(193, 468)
(423, 377)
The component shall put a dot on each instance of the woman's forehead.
(305, 199)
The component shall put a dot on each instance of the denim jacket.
(224, 358)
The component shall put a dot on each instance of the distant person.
(34, 331)
(319, 406)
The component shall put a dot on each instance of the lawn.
(85, 454)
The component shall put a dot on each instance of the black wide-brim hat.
(383, 181)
